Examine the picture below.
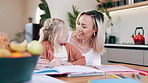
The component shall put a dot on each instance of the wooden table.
(85, 79)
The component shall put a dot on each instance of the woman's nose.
(79, 28)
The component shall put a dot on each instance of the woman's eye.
(78, 23)
(84, 26)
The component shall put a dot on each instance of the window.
(38, 13)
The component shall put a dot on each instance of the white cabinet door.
(125, 55)
(146, 58)
(104, 59)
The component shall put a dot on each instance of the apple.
(4, 52)
(35, 47)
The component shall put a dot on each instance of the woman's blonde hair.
(52, 28)
(99, 38)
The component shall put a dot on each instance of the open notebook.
(115, 69)
(71, 71)
(128, 80)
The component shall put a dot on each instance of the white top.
(61, 53)
(91, 57)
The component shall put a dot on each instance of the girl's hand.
(66, 64)
(55, 62)
(42, 63)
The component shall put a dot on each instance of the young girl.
(53, 36)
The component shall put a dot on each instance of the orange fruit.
(16, 55)
(26, 54)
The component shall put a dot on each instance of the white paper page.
(113, 68)
(46, 71)
(44, 79)
(76, 69)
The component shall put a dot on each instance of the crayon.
(115, 76)
(138, 76)
(120, 76)
(143, 73)
(141, 70)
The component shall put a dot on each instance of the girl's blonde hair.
(99, 38)
(52, 28)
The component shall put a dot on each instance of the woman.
(89, 36)
(53, 36)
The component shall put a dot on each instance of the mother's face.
(84, 27)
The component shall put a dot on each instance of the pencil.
(51, 53)
(115, 76)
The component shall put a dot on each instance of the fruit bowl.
(17, 69)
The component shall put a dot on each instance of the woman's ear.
(96, 30)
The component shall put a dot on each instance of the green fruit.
(4, 52)
(35, 47)
(19, 47)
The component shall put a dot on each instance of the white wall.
(30, 9)
(11, 16)
(59, 8)
(127, 21)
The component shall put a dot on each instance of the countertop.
(126, 46)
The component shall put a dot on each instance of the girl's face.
(62, 34)
(84, 27)
(62, 38)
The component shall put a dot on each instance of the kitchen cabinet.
(104, 58)
(125, 55)
(146, 58)
(132, 54)
(134, 5)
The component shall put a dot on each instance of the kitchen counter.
(127, 46)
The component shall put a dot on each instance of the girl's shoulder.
(69, 46)
(46, 43)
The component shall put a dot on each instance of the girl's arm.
(74, 55)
